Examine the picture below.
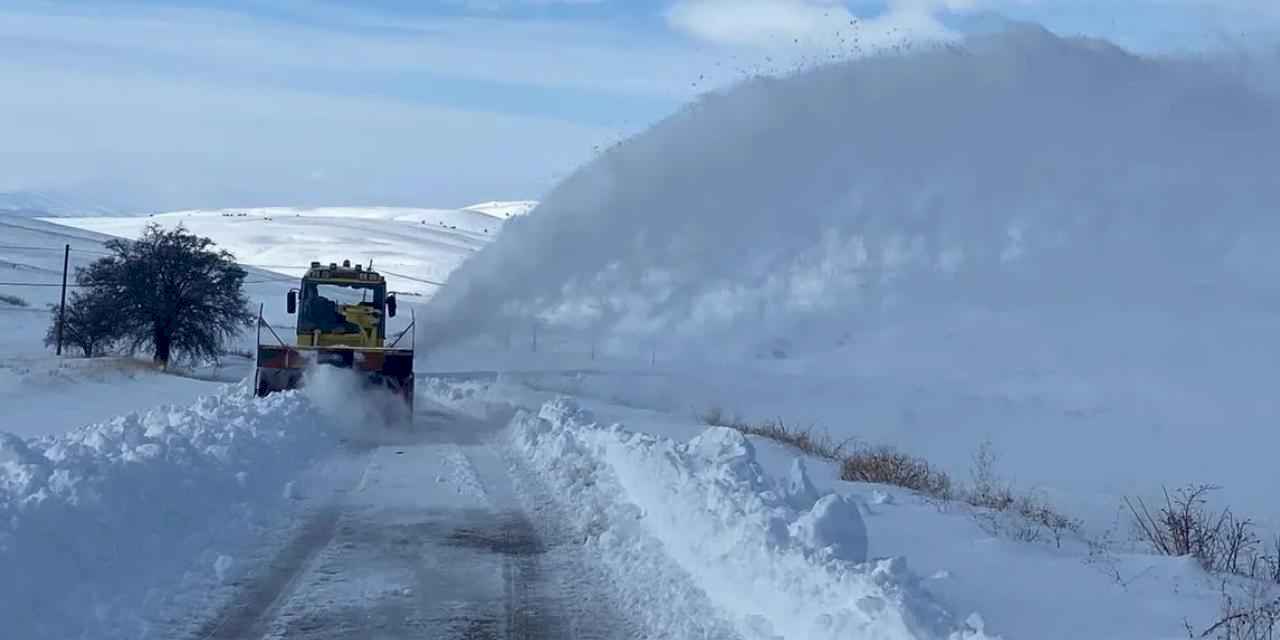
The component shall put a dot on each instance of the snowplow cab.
(341, 306)
(342, 321)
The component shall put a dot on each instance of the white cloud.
(168, 144)
(502, 5)
(820, 24)
(549, 54)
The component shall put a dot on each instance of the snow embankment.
(105, 528)
(776, 558)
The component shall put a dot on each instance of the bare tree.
(171, 293)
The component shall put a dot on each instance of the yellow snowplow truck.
(342, 321)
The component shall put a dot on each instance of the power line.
(422, 280)
(38, 284)
(56, 284)
(281, 277)
(29, 248)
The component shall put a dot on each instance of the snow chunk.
(23, 472)
(801, 493)
(564, 411)
(834, 527)
(723, 445)
(880, 496)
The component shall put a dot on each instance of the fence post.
(62, 308)
(257, 350)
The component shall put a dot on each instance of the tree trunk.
(162, 348)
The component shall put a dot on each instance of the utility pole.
(62, 308)
(535, 336)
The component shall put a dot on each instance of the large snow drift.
(1020, 169)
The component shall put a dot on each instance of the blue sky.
(178, 103)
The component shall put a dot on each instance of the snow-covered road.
(425, 537)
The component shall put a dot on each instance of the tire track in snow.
(260, 595)
(528, 612)
(245, 617)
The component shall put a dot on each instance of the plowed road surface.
(425, 537)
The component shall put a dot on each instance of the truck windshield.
(370, 295)
(322, 302)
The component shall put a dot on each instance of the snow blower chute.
(342, 322)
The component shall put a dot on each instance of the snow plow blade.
(281, 368)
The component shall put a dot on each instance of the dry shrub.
(883, 465)
(1219, 540)
(1182, 527)
(886, 465)
(986, 490)
(1027, 517)
(1221, 543)
(1254, 615)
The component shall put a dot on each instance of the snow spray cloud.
(356, 411)
(1015, 168)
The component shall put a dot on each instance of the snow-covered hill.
(415, 248)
